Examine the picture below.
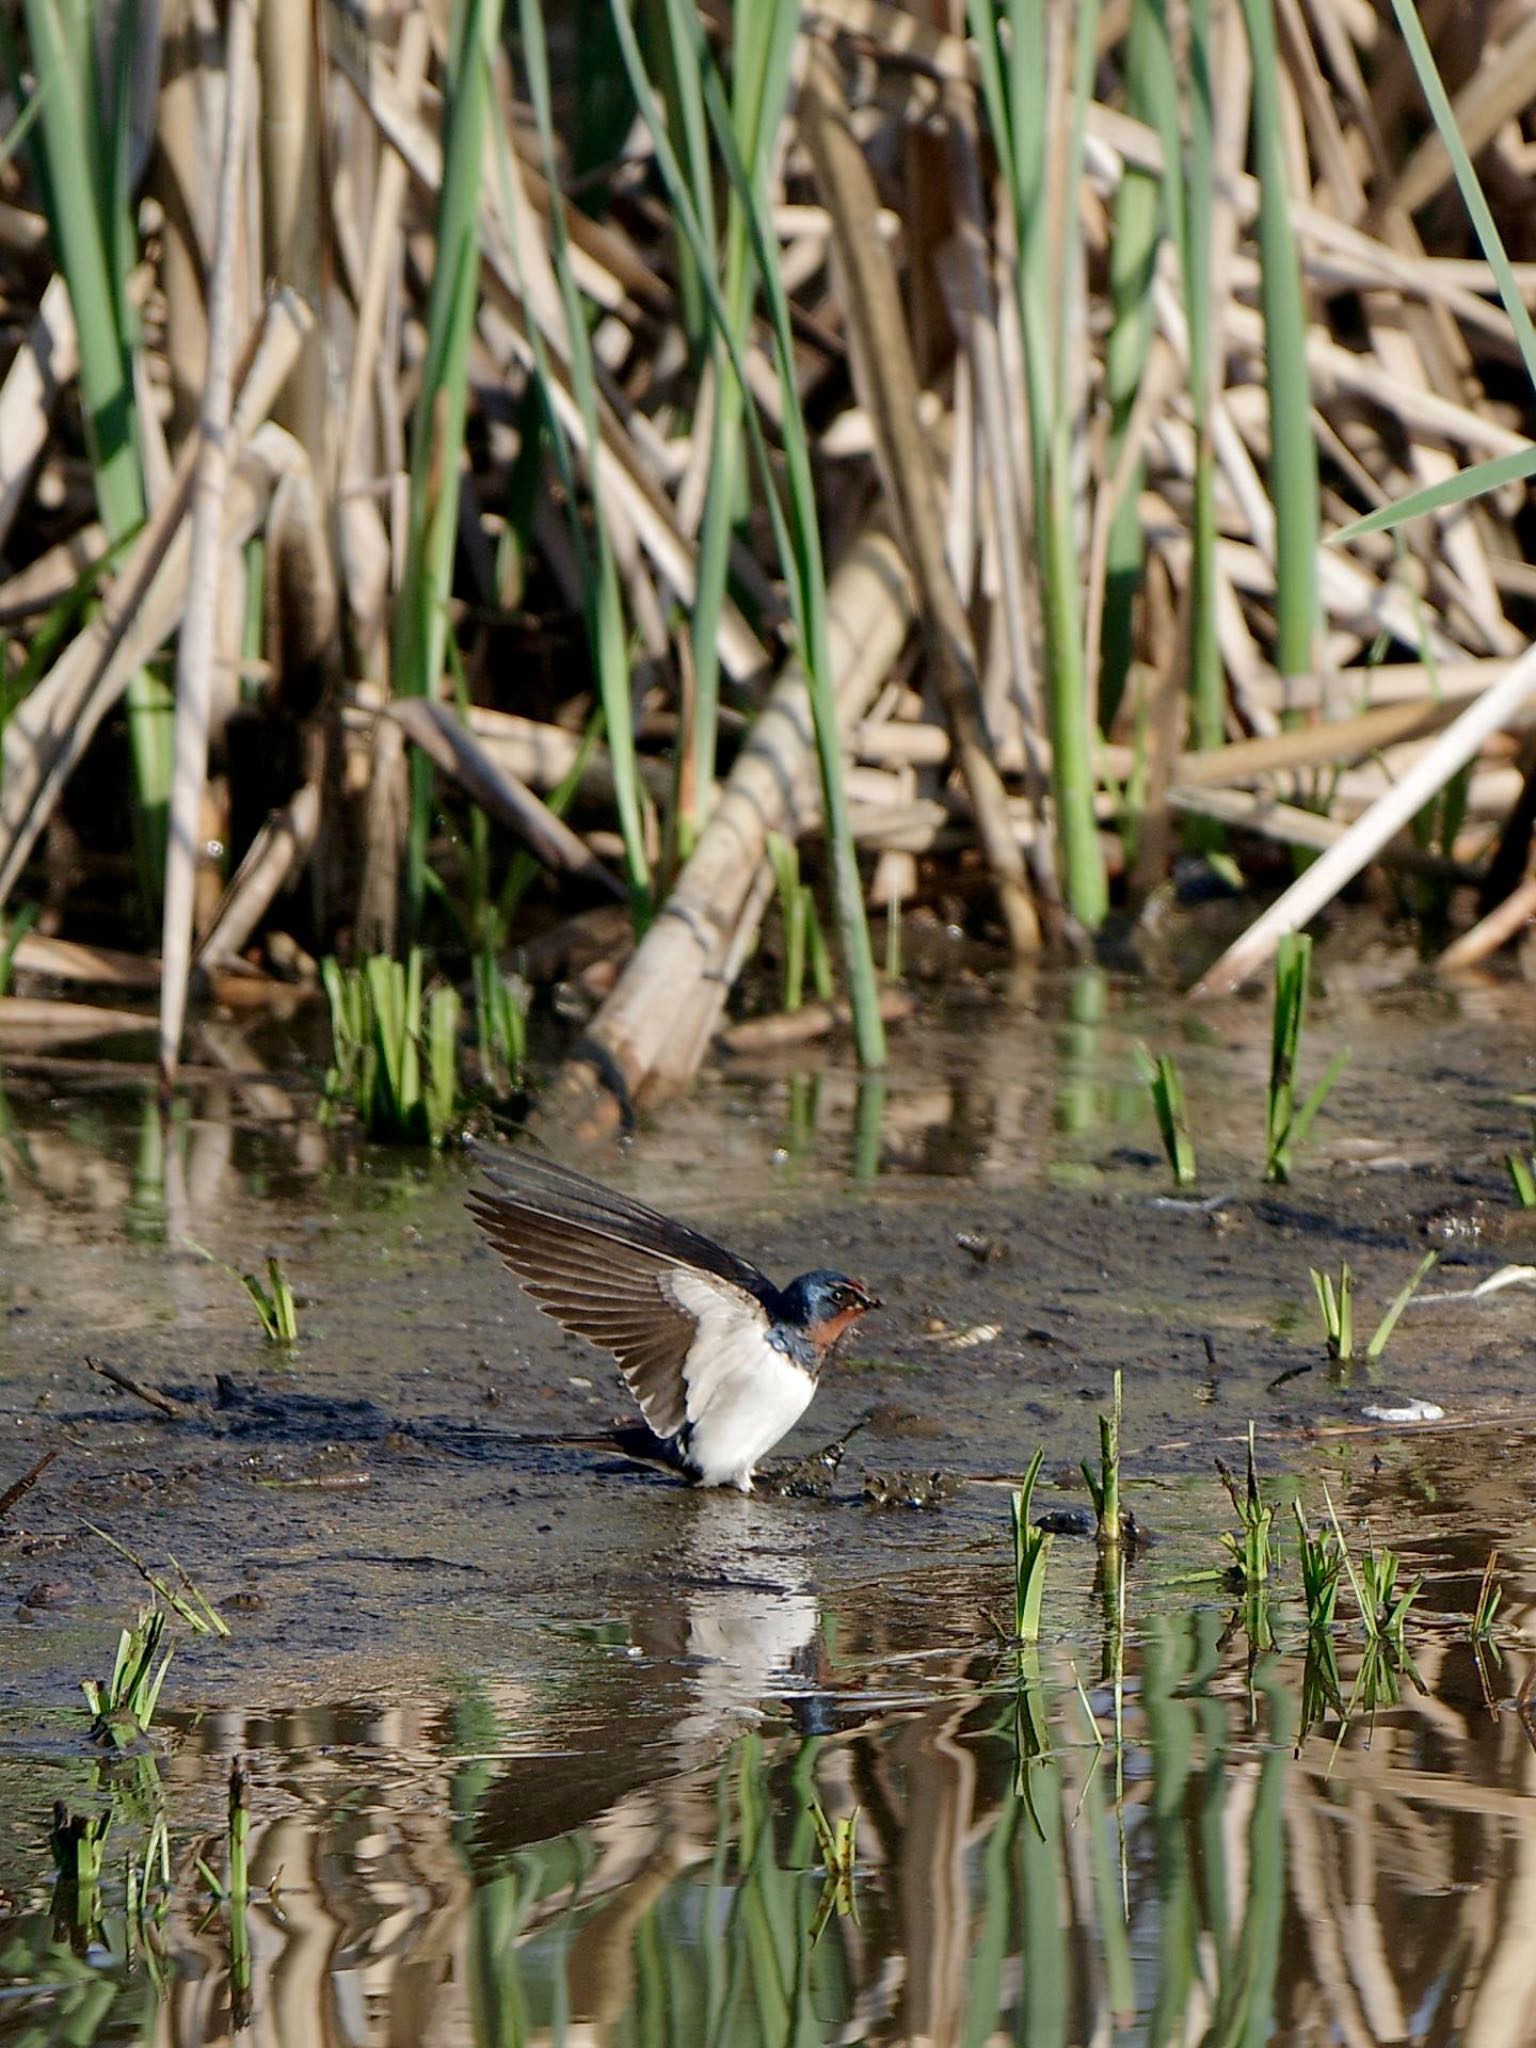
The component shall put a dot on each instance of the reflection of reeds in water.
(1246, 1880)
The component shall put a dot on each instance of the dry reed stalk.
(52, 575)
(698, 1020)
(178, 179)
(772, 787)
(51, 728)
(100, 966)
(1504, 922)
(293, 213)
(784, 1029)
(1316, 746)
(1414, 383)
(1269, 817)
(195, 644)
(620, 472)
(1364, 839)
(437, 732)
(384, 829)
(885, 374)
(382, 262)
(45, 362)
(1503, 85)
(974, 312)
(272, 863)
(543, 755)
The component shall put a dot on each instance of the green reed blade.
(285, 1310)
(443, 1009)
(1284, 1126)
(1451, 490)
(84, 182)
(1400, 1301)
(72, 138)
(600, 581)
(1467, 181)
(1161, 1077)
(1293, 478)
(1321, 1564)
(1301, 1122)
(762, 42)
(1012, 46)
(437, 429)
(796, 526)
(1181, 110)
(674, 65)
(1138, 227)
(1031, 1553)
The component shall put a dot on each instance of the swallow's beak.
(868, 1301)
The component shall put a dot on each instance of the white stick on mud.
(1322, 881)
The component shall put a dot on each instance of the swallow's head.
(823, 1305)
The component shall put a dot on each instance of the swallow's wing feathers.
(623, 1276)
(560, 1193)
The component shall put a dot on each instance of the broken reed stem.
(1320, 883)
(195, 645)
(887, 381)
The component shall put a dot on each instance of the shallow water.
(533, 1735)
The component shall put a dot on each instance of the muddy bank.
(403, 1476)
(579, 1712)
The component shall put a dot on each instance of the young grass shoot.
(805, 947)
(1252, 1547)
(1031, 1550)
(191, 1603)
(1322, 1563)
(1490, 1595)
(1383, 1607)
(1486, 1654)
(501, 1025)
(1104, 1485)
(1161, 1076)
(395, 1050)
(124, 1705)
(275, 1306)
(78, 1842)
(1337, 1306)
(1285, 1124)
(1521, 1167)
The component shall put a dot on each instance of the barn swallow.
(721, 1361)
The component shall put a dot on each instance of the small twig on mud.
(176, 1411)
(25, 1483)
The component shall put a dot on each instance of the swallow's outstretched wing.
(682, 1315)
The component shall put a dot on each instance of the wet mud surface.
(431, 1427)
(446, 1596)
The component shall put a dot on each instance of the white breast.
(743, 1394)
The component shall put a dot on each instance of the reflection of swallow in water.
(721, 1361)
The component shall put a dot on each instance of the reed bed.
(499, 488)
